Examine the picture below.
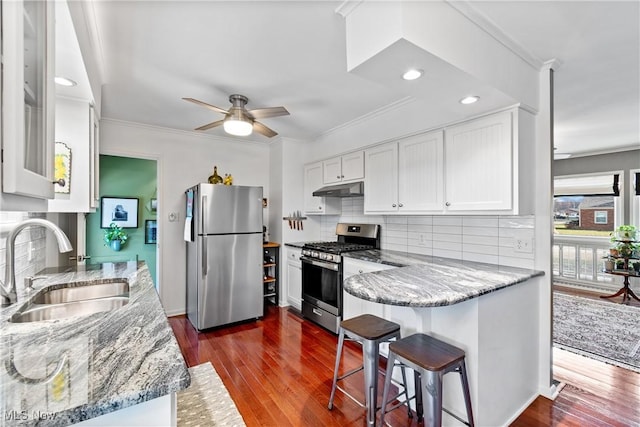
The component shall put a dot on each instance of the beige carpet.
(206, 403)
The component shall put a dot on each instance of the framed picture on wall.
(150, 231)
(122, 211)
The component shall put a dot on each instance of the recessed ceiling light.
(63, 81)
(412, 74)
(561, 156)
(469, 100)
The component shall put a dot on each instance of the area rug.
(596, 329)
(206, 403)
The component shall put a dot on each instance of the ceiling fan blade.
(209, 106)
(210, 125)
(260, 128)
(263, 113)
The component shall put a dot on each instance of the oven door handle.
(315, 262)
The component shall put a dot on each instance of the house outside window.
(600, 217)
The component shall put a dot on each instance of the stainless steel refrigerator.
(223, 230)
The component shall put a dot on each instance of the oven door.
(322, 284)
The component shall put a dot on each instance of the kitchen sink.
(36, 313)
(80, 293)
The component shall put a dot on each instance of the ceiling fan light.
(237, 127)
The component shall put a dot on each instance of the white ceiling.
(292, 53)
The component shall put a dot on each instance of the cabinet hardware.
(338, 176)
(317, 312)
(61, 182)
(393, 205)
(447, 204)
(400, 205)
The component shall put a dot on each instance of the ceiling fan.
(238, 120)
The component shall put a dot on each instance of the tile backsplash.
(30, 247)
(472, 238)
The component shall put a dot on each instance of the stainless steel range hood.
(354, 189)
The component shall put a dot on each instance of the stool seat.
(427, 352)
(370, 327)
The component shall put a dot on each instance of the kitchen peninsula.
(123, 366)
(489, 311)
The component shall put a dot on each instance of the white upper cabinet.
(479, 167)
(479, 171)
(405, 176)
(381, 179)
(420, 174)
(349, 167)
(313, 181)
(76, 129)
(28, 98)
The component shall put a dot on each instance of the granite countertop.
(296, 244)
(114, 359)
(426, 281)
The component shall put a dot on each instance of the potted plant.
(609, 263)
(625, 233)
(115, 237)
(636, 266)
(619, 264)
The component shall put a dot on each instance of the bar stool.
(430, 359)
(370, 331)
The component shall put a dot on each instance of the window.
(587, 205)
(600, 217)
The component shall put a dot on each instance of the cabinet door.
(332, 171)
(353, 166)
(294, 283)
(381, 179)
(420, 174)
(28, 97)
(478, 164)
(94, 159)
(73, 130)
(312, 182)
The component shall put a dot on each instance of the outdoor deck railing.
(579, 260)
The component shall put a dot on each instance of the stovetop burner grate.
(337, 247)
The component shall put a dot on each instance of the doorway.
(133, 180)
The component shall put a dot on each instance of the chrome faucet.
(8, 288)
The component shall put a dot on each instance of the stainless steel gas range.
(322, 272)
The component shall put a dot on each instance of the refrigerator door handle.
(205, 258)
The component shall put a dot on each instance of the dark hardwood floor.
(278, 370)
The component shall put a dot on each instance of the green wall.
(125, 177)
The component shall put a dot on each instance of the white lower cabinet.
(353, 306)
(294, 277)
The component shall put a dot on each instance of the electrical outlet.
(422, 239)
(174, 216)
(523, 244)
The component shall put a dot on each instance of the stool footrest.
(348, 374)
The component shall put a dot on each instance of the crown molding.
(188, 133)
(368, 116)
(485, 23)
(620, 149)
(347, 6)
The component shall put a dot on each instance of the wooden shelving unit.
(271, 267)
